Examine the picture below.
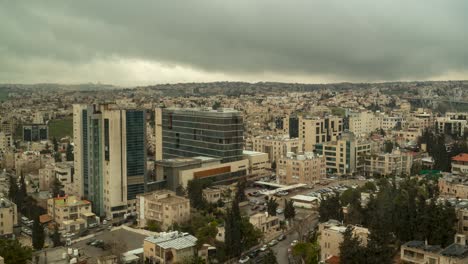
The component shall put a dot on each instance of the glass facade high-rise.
(202, 132)
(35, 132)
(110, 157)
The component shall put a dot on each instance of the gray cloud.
(134, 42)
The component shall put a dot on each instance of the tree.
(56, 237)
(56, 187)
(270, 257)
(388, 146)
(272, 205)
(216, 105)
(250, 236)
(13, 252)
(195, 194)
(57, 157)
(180, 190)
(38, 237)
(69, 152)
(55, 144)
(153, 226)
(273, 165)
(241, 185)
(193, 260)
(289, 210)
(232, 233)
(13, 189)
(351, 250)
(330, 208)
(308, 252)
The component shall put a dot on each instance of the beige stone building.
(217, 192)
(308, 168)
(386, 164)
(259, 163)
(277, 146)
(168, 248)
(314, 130)
(70, 213)
(460, 164)
(266, 223)
(345, 155)
(164, 207)
(453, 186)
(331, 236)
(8, 217)
(363, 123)
(6, 141)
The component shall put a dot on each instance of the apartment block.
(363, 123)
(387, 164)
(453, 186)
(460, 164)
(6, 141)
(277, 146)
(168, 248)
(259, 163)
(266, 223)
(331, 236)
(35, 132)
(314, 130)
(449, 126)
(345, 155)
(8, 217)
(164, 207)
(307, 168)
(70, 212)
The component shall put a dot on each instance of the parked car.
(279, 210)
(26, 231)
(244, 259)
(254, 253)
(281, 237)
(293, 243)
(90, 242)
(264, 248)
(273, 242)
(93, 225)
(67, 235)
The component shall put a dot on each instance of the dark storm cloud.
(349, 40)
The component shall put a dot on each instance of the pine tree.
(233, 230)
(55, 144)
(241, 185)
(13, 188)
(351, 251)
(56, 187)
(38, 236)
(69, 152)
(289, 210)
(56, 237)
(272, 205)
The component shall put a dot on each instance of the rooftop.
(422, 245)
(175, 240)
(252, 153)
(461, 157)
(455, 250)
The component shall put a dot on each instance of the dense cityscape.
(235, 173)
(233, 132)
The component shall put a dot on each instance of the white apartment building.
(277, 146)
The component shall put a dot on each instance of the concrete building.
(199, 132)
(453, 186)
(446, 125)
(259, 163)
(345, 155)
(277, 147)
(363, 123)
(460, 164)
(331, 236)
(179, 171)
(308, 168)
(387, 164)
(35, 132)
(110, 157)
(65, 173)
(315, 130)
(70, 213)
(8, 217)
(168, 248)
(31, 161)
(224, 192)
(419, 252)
(6, 141)
(268, 224)
(164, 207)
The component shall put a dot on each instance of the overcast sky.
(125, 42)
